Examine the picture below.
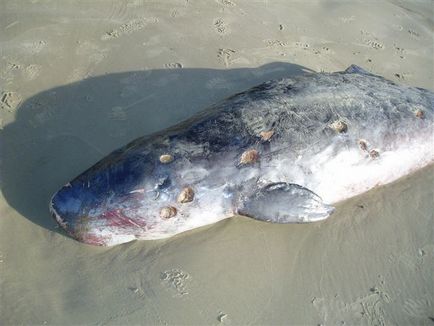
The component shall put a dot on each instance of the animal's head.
(139, 192)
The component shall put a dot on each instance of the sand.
(78, 81)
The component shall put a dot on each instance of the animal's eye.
(162, 182)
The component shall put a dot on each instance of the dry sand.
(78, 81)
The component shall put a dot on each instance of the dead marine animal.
(280, 152)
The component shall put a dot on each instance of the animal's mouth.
(57, 217)
(79, 234)
(80, 212)
(65, 211)
(61, 221)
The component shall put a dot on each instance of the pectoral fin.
(284, 203)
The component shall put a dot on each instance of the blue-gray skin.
(264, 153)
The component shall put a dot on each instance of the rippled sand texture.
(78, 81)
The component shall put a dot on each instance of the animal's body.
(270, 153)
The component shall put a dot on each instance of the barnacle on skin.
(339, 126)
(168, 212)
(166, 158)
(186, 195)
(374, 153)
(266, 135)
(250, 156)
(363, 145)
(419, 114)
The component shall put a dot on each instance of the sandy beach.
(77, 81)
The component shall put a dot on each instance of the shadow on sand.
(61, 132)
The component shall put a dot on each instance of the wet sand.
(79, 81)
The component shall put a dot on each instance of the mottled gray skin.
(207, 149)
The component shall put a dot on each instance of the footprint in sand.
(34, 47)
(91, 51)
(347, 20)
(399, 51)
(176, 280)
(398, 27)
(323, 50)
(372, 41)
(302, 45)
(375, 44)
(10, 100)
(173, 65)
(403, 75)
(79, 74)
(276, 43)
(11, 68)
(220, 26)
(414, 33)
(32, 71)
(225, 55)
(367, 309)
(222, 317)
(130, 27)
(28, 72)
(226, 3)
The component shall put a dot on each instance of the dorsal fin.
(355, 69)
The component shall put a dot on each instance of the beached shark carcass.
(281, 152)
